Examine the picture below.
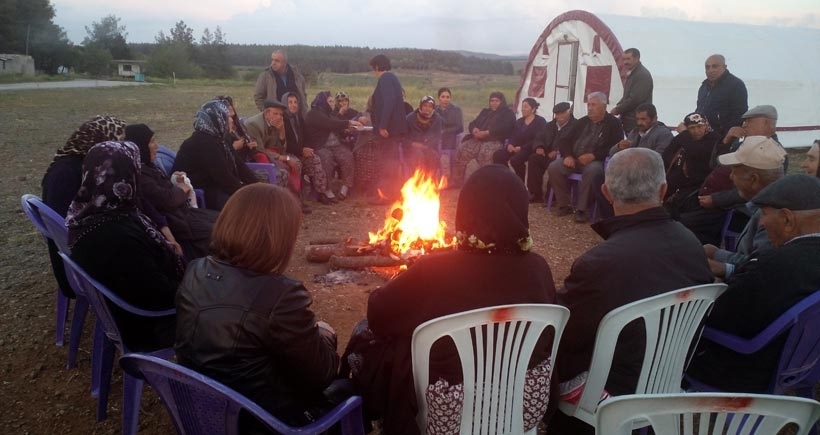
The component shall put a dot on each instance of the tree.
(172, 59)
(109, 35)
(94, 61)
(212, 55)
(26, 27)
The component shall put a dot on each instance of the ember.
(412, 226)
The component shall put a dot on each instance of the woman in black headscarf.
(120, 247)
(324, 131)
(492, 264)
(191, 226)
(488, 132)
(208, 156)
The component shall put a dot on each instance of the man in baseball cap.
(765, 287)
(756, 164)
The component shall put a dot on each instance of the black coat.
(255, 333)
(500, 123)
(611, 134)
(643, 254)
(319, 125)
(724, 103)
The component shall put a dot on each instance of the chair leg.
(131, 398)
(97, 350)
(77, 324)
(352, 423)
(106, 366)
(62, 313)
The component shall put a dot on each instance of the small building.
(130, 68)
(16, 64)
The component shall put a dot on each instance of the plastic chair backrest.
(268, 168)
(710, 413)
(165, 159)
(727, 236)
(56, 227)
(32, 204)
(200, 405)
(494, 345)
(99, 295)
(671, 321)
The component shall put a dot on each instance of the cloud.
(217, 10)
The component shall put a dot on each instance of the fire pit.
(411, 229)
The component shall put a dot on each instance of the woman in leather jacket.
(241, 321)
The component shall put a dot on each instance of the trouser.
(340, 157)
(471, 149)
(592, 176)
(536, 167)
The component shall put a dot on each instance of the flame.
(412, 226)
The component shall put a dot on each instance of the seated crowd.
(662, 201)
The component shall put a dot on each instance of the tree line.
(27, 27)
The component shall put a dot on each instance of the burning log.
(321, 253)
(361, 262)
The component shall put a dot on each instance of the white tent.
(778, 64)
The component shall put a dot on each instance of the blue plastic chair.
(728, 237)
(165, 159)
(200, 405)
(99, 297)
(267, 168)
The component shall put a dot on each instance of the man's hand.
(384, 133)
(624, 144)
(252, 145)
(510, 148)
(734, 133)
(718, 269)
(681, 128)
(614, 111)
(307, 152)
(238, 144)
(586, 159)
(706, 201)
(710, 250)
(569, 162)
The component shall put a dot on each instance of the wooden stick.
(344, 262)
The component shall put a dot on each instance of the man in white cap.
(756, 164)
(763, 288)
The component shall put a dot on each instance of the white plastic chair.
(710, 413)
(494, 345)
(671, 320)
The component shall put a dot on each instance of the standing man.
(722, 97)
(644, 253)
(583, 151)
(637, 89)
(546, 148)
(277, 80)
(389, 124)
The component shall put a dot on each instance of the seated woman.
(452, 117)
(276, 353)
(208, 156)
(323, 131)
(423, 137)
(342, 110)
(65, 174)
(487, 135)
(520, 145)
(120, 247)
(191, 226)
(241, 141)
(296, 136)
(491, 265)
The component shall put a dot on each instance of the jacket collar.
(607, 227)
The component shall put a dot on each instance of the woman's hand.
(169, 236)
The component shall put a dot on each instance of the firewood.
(322, 253)
(344, 262)
(325, 241)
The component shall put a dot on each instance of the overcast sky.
(491, 26)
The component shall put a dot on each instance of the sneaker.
(343, 192)
(581, 217)
(562, 211)
(326, 200)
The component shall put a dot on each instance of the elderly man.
(648, 132)
(637, 89)
(277, 80)
(545, 148)
(722, 97)
(644, 253)
(756, 164)
(583, 151)
(764, 287)
(424, 127)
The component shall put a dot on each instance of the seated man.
(756, 164)
(424, 135)
(546, 148)
(648, 133)
(267, 129)
(583, 151)
(764, 287)
(645, 253)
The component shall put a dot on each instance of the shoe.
(343, 192)
(534, 199)
(562, 211)
(324, 199)
(581, 217)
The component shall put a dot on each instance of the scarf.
(98, 129)
(212, 119)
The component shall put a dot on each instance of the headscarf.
(320, 102)
(97, 129)
(212, 119)
(141, 136)
(492, 210)
(109, 193)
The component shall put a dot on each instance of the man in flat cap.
(545, 148)
(267, 129)
(756, 164)
(767, 285)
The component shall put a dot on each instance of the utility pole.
(28, 31)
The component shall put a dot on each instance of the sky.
(488, 26)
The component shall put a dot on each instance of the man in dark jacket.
(546, 148)
(277, 80)
(645, 253)
(583, 151)
(722, 97)
(389, 125)
(765, 287)
(637, 89)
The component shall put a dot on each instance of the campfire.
(411, 229)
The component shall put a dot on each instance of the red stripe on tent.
(592, 21)
(800, 128)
